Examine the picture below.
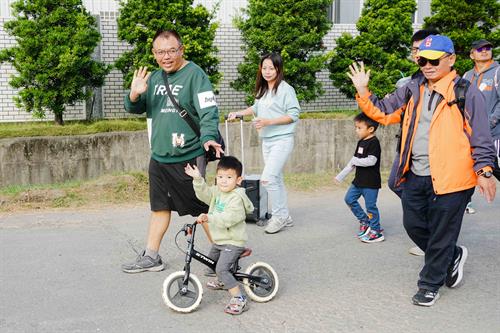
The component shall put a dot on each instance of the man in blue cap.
(485, 76)
(444, 154)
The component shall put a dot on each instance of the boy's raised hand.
(192, 171)
(203, 218)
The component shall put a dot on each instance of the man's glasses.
(421, 61)
(171, 52)
(484, 48)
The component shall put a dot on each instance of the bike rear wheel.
(261, 291)
(180, 301)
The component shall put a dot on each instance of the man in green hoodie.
(174, 144)
(229, 206)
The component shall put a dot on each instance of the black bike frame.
(190, 230)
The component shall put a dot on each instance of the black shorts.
(170, 188)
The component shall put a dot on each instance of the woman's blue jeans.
(276, 153)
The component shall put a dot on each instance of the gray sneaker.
(144, 263)
(277, 223)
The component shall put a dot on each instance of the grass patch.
(308, 181)
(332, 114)
(80, 127)
(71, 199)
(117, 188)
(13, 190)
(130, 188)
(45, 128)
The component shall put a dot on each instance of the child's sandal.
(236, 306)
(215, 285)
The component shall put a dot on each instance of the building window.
(349, 11)
(423, 11)
(346, 11)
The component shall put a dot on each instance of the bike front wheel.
(182, 300)
(264, 283)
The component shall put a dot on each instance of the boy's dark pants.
(433, 222)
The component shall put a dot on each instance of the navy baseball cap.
(435, 46)
(480, 43)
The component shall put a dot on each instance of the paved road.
(60, 273)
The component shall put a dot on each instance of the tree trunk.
(58, 118)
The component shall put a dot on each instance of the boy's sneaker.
(425, 297)
(209, 272)
(277, 223)
(144, 263)
(456, 268)
(215, 285)
(364, 229)
(237, 305)
(373, 237)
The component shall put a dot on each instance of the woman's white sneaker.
(277, 223)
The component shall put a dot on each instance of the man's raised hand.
(139, 83)
(359, 77)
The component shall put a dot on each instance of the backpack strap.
(460, 88)
(399, 136)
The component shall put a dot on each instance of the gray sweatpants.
(225, 255)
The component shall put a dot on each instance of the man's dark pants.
(433, 222)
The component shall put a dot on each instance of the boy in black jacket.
(366, 183)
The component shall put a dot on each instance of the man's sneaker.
(416, 251)
(456, 268)
(144, 263)
(373, 237)
(364, 229)
(425, 297)
(237, 305)
(469, 209)
(209, 272)
(276, 224)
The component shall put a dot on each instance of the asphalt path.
(60, 272)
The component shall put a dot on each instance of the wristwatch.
(485, 174)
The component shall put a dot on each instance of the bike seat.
(246, 253)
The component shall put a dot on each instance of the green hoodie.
(227, 212)
(170, 137)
